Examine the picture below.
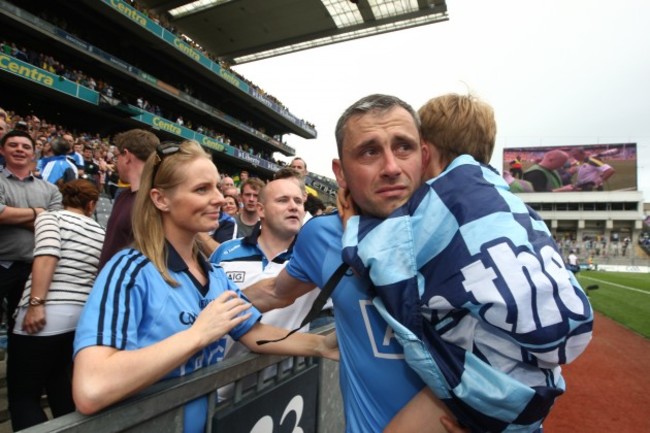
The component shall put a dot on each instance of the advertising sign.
(289, 407)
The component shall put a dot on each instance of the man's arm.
(19, 216)
(207, 244)
(277, 292)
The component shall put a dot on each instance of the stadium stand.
(81, 69)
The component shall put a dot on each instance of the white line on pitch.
(617, 285)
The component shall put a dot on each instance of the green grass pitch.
(623, 296)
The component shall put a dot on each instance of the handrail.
(162, 404)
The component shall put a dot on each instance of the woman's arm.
(298, 344)
(105, 375)
(42, 272)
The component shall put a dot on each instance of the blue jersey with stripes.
(477, 292)
(59, 167)
(131, 306)
(375, 380)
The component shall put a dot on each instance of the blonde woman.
(160, 310)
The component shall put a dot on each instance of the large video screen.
(589, 167)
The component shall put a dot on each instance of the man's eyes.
(368, 151)
(404, 148)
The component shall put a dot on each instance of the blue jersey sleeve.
(312, 260)
(114, 306)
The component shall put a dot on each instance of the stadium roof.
(240, 31)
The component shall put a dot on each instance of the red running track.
(608, 386)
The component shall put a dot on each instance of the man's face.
(381, 160)
(121, 164)
(88, 154)
(3, 128)
(243, 176)
(226, 183)
(283, 209)
(299, 166)
(249, 198)
(18, 153)
(78, 148)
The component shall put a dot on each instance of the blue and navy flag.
(475, 289)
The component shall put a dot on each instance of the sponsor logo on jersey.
(381, 337)
(237, 276)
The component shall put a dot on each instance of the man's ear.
(338, 173)
(426, 158)
(260, 210)
(159, 199)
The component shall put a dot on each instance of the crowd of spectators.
(49, 63)
(600, 247)
(164, 22)
(644, 242)
(96, 150)
(49, 265)
(92, 147)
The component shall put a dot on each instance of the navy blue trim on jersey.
(116, 282)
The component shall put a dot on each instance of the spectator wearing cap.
(21, 125)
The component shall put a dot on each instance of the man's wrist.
(35, 214)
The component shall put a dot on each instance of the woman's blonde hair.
(148, 233)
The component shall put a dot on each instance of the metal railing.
(160, 408)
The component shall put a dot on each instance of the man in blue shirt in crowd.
(59, 166)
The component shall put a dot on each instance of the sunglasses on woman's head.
(163, 150)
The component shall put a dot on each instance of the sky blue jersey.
(375, 380)
(131, 307)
